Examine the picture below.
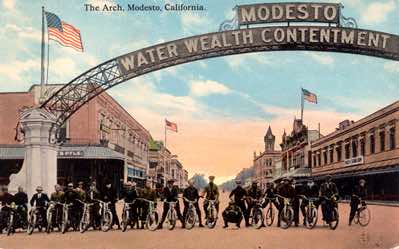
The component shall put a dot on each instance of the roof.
(65, 152)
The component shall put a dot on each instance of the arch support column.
(40, 163)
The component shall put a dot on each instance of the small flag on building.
(63, 33)
(308, 96)
(170, 125)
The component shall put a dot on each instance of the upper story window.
(362, 146)
(325, 156)
(331, 154)
(372, 142)
(338, 149)
(392, 137)
(382, 139)
(347, 151)
(354, 147)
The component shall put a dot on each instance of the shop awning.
(297, 173)
(373, 171)
(8, 152)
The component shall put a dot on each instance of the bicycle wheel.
(269, 216)
(31, 223)
(364, 216)
(257, 218)
(49, 217)
(334, 219)
(125, 220)
(84, 222)
(106, 222)
(64, 223)
(152, 221)
(311, 217)
(190, 219)
(286, 218)
(212, 219)
(10, 224)
(171, 220)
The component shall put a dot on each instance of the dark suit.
(170, 194)
(239, 194)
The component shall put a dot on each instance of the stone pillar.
(40, 163)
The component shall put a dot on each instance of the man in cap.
(40, 200)
(92, 196)
(109, 195)
(311, 190)
(191, 194)
(21, 200)
(327, 191)
(71, 197)
(238, 195)
(357, 197)
(5, 199)
(211, 192)
(130, 195)
(170, 194)
(285, 190)
(57, 196)
(254, 194)
(149, 194)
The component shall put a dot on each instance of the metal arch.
(72, 96)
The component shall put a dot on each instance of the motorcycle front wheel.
(106, 222)
(190, 219)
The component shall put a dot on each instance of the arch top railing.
(68, 99)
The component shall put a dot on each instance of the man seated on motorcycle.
(170, 194)
(327, 190)
(109, 195)
(358, 193)
(21, 201)
(254, 194)
(92, 196)
(238, 195)
(287, 191)
(57, 196)
(191, 193)
(144, 207)
(40, 200)
(71, 197)
(311, 190)
(211, 192)
(232, 214)
(129, 195)
(5, 199)
(270, 193)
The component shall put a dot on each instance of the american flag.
(309, 96)
(63, 33)
(170, 125)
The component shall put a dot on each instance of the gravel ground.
(382, 232)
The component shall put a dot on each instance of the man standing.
(285, 190)
(295, 201)
(150, 195)
(5, 199)
(238, 195)
(358, 195)
(109, 195)
(92, 196)
(327, 190)
(130, 195)
(71, 197)
(310, 191)
(211, 192)
(40, 201)
(254, 194)
(191, 194)
(170, 194)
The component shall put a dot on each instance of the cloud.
(194, 23)
(207, 87)
(377, 12)
(392, 67)
(323, 59)
(16, 70)
(9, 4)
(24, 32)
(244, 60)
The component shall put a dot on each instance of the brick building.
(101, 141)
(367, 148)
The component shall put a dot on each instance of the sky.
(223, 106)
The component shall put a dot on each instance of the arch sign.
(243, 35)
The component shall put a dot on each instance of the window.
(382, 140)
(392, 144)
(347, 151)
(331, 155)
(325, 156)
(314, 161)
(339, 152)
(362, 147)
(354, 147)
(372, 143)
(319, 158)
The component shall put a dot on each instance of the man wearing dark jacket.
(92, 196)
(109, 195)
(40, 201)
(328, 190)
(238, 195)
(191, 194)
(358, 195)
(5, 199)
(130, 195)
(254, 194)
(170, 194)
(285, 190)
(21, 200)
(311, 190)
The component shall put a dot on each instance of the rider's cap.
(238, 181)
(70, 184)
(328, 177)
(39, 188)
(171, 180)
(362, 180)
(254, 182)
(211, 177)
(80, 183)
(133, 184)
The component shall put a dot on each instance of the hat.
(171, 180)
(238, 181)
(39, 188)
(254, 182)
(133, 184)
(211, 177)
(362, 180)
(80, 183)
(70, 184)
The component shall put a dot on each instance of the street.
(382, 232)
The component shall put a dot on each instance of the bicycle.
(212, 214)
(287, 213)
(126, 215)
(363, 214)
(270, 211)
(191, 215)
(106, 216)
(87, 218)
(152, 216)
(35, 219)
(66, 221)
(333, 223)
(15, 219)
(171, 215)
(257, 217)
(311, 214)
(51, 218)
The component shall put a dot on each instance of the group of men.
(242, 200)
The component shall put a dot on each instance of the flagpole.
(165, 133)
(42, 59)
(302, 104)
